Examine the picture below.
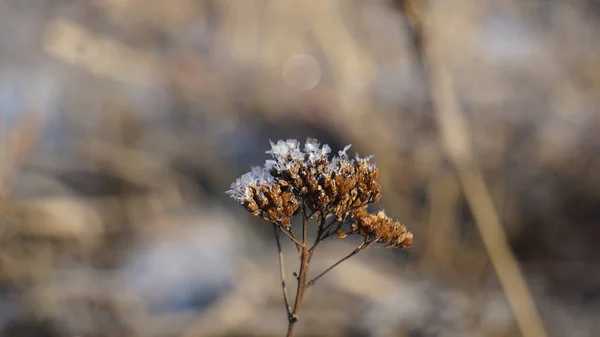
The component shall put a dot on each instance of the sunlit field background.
(123, 123)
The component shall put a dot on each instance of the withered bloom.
(380, 228)
(264, 196)
(335, 191)
(306, 176)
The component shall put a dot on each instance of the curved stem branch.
(291, 237)
(354, 252)
(282, 271)
(302, 275)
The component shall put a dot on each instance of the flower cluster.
(341, 186)
(264, 196)
(379, 228)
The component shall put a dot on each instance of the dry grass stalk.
(457, 140)
(20, 143)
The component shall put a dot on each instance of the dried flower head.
(336, 191)
(341, 186)
(262, 195)
(380, 228)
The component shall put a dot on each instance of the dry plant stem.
(315, 212)
(496, 244)
(455, 133)
(302, 275)
(282, 271)
(331, 228)
(354, 252)
(318, 239)
(291, 237)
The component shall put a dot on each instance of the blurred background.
(123, 122)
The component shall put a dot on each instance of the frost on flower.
(306, 176)
(312, 145)
(286, 150)
(285, 155)
(343, 152)
(341, 161)
(241, 188)
(366, 161)
(335, 191)
(314, 152)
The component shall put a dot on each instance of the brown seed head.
(340, 186)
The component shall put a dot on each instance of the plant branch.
(362, 246)
(328, 229)
(282, 271)
(291, 237)
(315, 211)
(302, 275)
(333, 227)
(318, 239)
(304, 225)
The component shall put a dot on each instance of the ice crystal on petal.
(271, 164)
(241, 188)
(334, 163)
(312, 145)
(261, 175)
(367, 158)
(343, 152)
(314, 152)
(283, 150)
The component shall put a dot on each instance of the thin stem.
(318, 239)
(282, 271)
(354, 252)
(327, 230)
(304, 226)
(302, 275)
(290, 236)
(333, 228)
(315, 211)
